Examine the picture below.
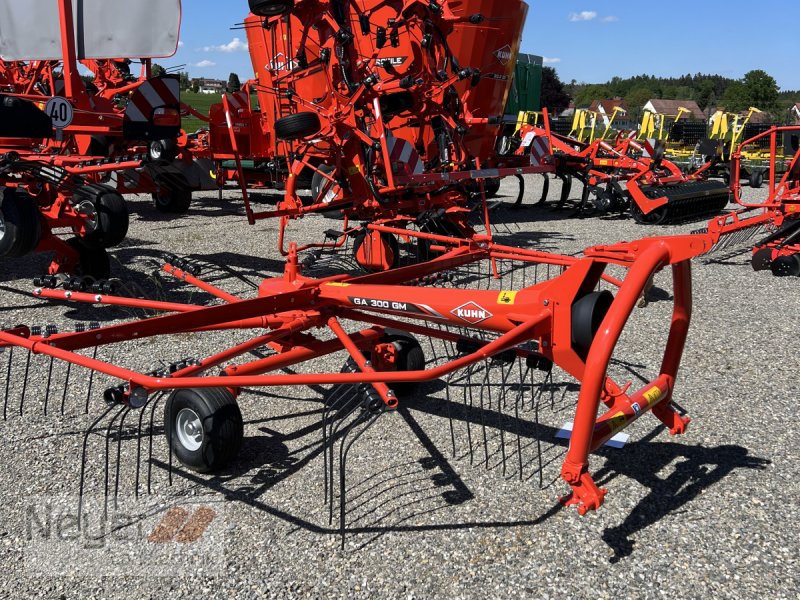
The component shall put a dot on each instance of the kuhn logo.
(504, 55)
(472, 313)
(279, 63)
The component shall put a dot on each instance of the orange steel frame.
(290, 307)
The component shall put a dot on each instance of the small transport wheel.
(163, 150)
(204, 428)
(270, 8)
(297, 126)
(92, 262)
(20, 223)
(172, 194)
(109, 213)
(756, 179)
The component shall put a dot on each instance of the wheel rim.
(89, 212)
(2, 228)
(189, 428)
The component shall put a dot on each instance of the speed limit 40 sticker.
(60, 112)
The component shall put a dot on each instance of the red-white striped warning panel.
(540, 149)
(650, 147)
(404, 157)
(154, 93)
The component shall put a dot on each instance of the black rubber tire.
(388, 238)
(173, 195)
(270, 8)
(587, 316)
(163, 150)
(318, 182)
(410, 357)
(92, 262)
(756, 179)
(20, 223)
(492, 187)
(222, 428)
(112, 216)
(297, 126)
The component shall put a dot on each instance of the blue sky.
(589, 41)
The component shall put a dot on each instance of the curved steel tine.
(370, 420)
(142, 413)
(66, 387)
(150, 443)
(334, 433)
(82, 479)
(25, 383)
(47, 388)
(107, 467)
(8, 381)
(119, 455)
(486, 384)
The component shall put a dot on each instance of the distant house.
(212, 86)
(606, 107)
(796, 112)
(672, 107)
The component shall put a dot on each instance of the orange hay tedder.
(370, 97)
(116, 135)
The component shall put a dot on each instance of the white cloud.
(551, 61)
(610, 19)
(180, 44)
(235, 45)
(204, 64)
(585, 15)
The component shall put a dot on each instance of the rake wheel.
(204, 428)
(172, 194)
(110, 215)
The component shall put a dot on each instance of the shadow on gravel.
(698, 469)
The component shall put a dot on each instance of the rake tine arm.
(199, 283)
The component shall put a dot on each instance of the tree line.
(757, 88)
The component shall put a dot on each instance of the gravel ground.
(709, 514)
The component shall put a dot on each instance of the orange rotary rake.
(777, 217)
(488, 337)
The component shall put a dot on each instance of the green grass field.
(201, 103)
